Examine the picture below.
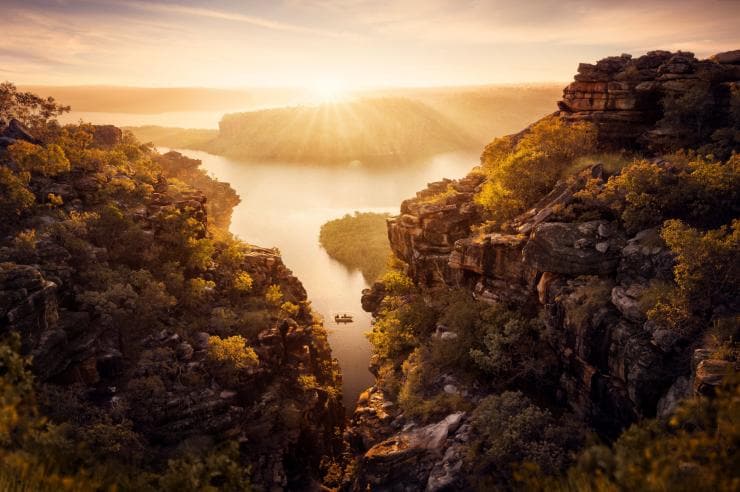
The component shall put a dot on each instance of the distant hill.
(175, 138)
(394, 125)
(372, 130)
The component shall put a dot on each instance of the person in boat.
(343, 318)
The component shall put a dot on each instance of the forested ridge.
(143, 347)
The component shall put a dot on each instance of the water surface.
(284, 205)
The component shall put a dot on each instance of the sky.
(350, 43)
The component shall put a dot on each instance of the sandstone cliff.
(116, 339)
(585, 278)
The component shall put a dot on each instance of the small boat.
(343, 318)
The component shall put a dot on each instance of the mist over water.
(284, 205)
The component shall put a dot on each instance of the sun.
(328, 90)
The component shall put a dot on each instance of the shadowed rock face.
(622, 95)
(586, 248)
(615, 367)
(585, 280)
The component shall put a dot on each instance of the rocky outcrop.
(425, 233)
(588, 277)
(419, 459)
(221, 197)
(15, 130)
(622, 95)
(586, 248)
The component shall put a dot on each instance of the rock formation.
(161, 380)
(622, 95)
(585, 277)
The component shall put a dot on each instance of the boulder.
(106, 136)
(15, 130)
(405, 460)
(372, 297)
(627, 301)
(573, 249)
(709, 375)
(728, 57)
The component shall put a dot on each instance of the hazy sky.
(360, 43)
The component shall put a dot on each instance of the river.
(284, 205)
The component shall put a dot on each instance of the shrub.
(396, 282)
(242, 282)
(704, 192)
(274, 295)
(519, 174)
(47, 161)
(232, 352)
(513, 346)
(15, 196)
(218, 469)
(707, 270)
(696, 449)
(509, 430)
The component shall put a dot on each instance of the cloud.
(232, 17)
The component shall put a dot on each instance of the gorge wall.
(584, 278)
(125, 340)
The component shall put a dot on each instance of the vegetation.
(373, 131)
(696, 449)
(519, 172)
(510, 430)
(686, 186)
(358, 241)
(139, 274)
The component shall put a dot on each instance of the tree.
(28, 108)
(509, 431)
(48, 160)
(15, 196)
(232, 351)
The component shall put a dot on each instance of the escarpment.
(624, 97)
(585, 262)
(151, 330)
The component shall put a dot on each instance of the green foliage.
(232, 351)
(509, 430)
(644, 194)
(396, 282)
(219, 470)
(695, 450)
(274, 295)
(243, 282)
(520, 173)
(49, 160)
(419, 397)
(514, 347)
(706, 272)
(15, 196)
(398, 325)
(358, 241)
(28, 108)
(289, 308)
(30, 454)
